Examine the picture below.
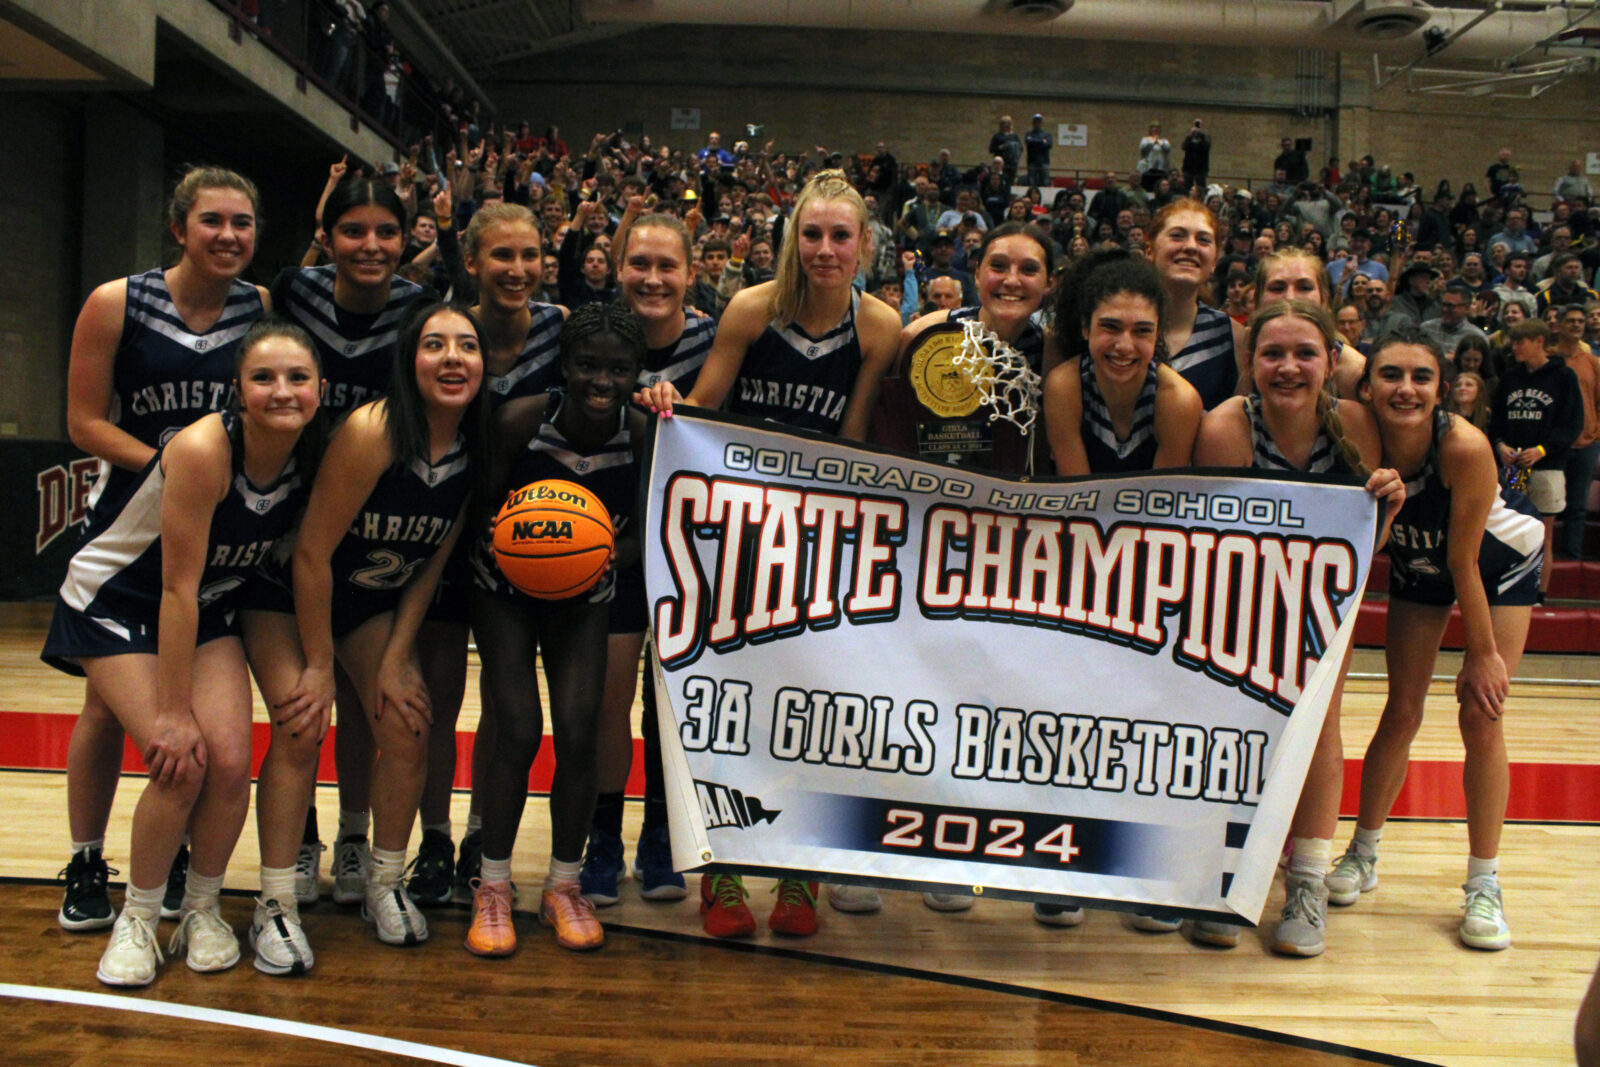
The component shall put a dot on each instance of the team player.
(501, 251)
(1203, 344)
(1292, 422)
(150, 355)
(1115, 407)
(354, 308)
(1458, 539)
(383, 517)
(586, 433)
(653, 274)
(805, 350)
(147, 612)
(1297, 274)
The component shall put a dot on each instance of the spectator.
(1196, 157)
(941, 264)
(919, 218)
(1500, 171)
(1573, 185)
(1008, 146)
(1292, 160)
(1351, 325)
(1356, 261)
(1580, 465)
(1038, 144)
(1155, 157)
(1452, 325)
(1515, 236)
(1413, 298)
(714, 153)
(1566, 285)
(946, 177)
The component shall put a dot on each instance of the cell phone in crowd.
(755, 131)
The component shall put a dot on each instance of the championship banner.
(906, 674)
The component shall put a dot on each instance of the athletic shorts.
(75, 635)
(629, 612)
(1548, 490)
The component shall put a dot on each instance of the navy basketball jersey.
(116, 573)
(1109, 454)
(1326, 458)
(609, 472)
(1419, 542)
(404, 520)
(790, 377)
(1030, 342)
(166, 376)
(357, 349)
(679, 362)
(537, 368)
(1207, 361)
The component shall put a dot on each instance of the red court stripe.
(38, 741)
(1540, 792)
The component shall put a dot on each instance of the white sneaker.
(1057, 915)
(279, 940)
(854, 898)
(1302, 929)
(948, 901)
(1211, 932)
(308, 872)
(133, 957)
(397, 919)
(1352, 875)
(352, 863)
(205, 939)
(1484, 925)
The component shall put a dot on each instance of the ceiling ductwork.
(1379, 20)
(1382, 26)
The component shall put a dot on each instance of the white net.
(1001, 375)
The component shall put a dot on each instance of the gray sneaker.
(1305, 918)
(948, 901)
(1351, 876)
(1484, 924)
(1211, 932)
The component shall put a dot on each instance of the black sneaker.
(177, 883)
(469, 861)
(86, 905)
(431, 882)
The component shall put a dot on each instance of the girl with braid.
(1460, 539)
(1291, 422)
(586, 433)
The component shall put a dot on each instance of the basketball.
(552, 539)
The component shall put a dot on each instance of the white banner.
(913, 675)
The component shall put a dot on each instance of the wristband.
(1542, 452)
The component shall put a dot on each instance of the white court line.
(263, 1023)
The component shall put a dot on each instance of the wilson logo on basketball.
(540, 493)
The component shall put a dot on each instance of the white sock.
(1311, 856)
(277, 883)
(353, 823)
(1365, 842)
(144, 903)
(201, 891)
(562, 873)
(97, 845)
(387, 867)
(495, 870)
(442, 827)
(474, 822)
(1488, 869)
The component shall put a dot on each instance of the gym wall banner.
(897, 673)
(45, 485)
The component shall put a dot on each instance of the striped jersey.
(795, 379)
(537, 368)
(406, 517)
(1109, 454)
(679, 362)
(116, 573)
(1325, 455)
(357, 349)
(1207, 361)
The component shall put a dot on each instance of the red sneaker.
(723, 908)
(795, 913)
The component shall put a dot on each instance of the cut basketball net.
(1005, 382)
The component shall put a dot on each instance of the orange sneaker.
(492, 932)
(565, 908)
(722, 906)
(795, 913)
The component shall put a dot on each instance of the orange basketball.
(552, 539)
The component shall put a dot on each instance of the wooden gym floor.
(906, 985)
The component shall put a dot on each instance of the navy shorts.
(75, 635)
(629, 612)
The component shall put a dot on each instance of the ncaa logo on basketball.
(541, 529)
